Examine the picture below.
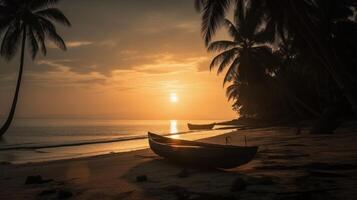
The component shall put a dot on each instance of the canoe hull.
(217, 156)
(200, 126)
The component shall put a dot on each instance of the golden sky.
(126, 59)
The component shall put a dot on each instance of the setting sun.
(173, 98)
(168, 99)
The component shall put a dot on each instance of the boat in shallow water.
(200, 153)
(200, 126)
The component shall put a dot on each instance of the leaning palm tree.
(27, 22)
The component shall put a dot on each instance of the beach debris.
(141, 178)
(36, 180)
(64, 194)
(228, 139)
(238, 184)
(183, 173)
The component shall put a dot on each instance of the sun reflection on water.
(174, 129)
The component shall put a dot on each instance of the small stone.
(141, 178)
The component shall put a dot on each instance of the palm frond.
(233, 30)
(212, 17)
(37, 17)
(4, 23)
(252, 20)
(54, 14)
(232, 91)
(267, 35)
(221, 45)
(39, 4)
(232, 72)
(51, 33)
(41, 42)
(229, 54)
(11, 41)
(227, 61)
(199, 4)
(239, 12)
(57, 40)
(32, 43)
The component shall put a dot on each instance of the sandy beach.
(83, 84)
(287, 166)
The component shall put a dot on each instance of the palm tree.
(299, 18)
(29, 21)
(246, 54)
(247, 59)
(251, 66)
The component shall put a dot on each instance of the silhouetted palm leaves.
(31, 22)
(247, 61)
(244, 55)
(319, 38)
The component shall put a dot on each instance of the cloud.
(127, 52)
(113, 42)
(74, 44)
(63, 75)
(168, 63)
(189, 26)
(110, 43)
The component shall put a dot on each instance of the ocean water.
(34, 140)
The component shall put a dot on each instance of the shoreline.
(287, 166)
(40, 153)
(81, 143)
(207, 139)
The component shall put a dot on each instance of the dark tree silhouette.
(27, 22)
(318, 66)
(315, 24)
(247, 59)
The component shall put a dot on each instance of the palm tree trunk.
(7, 123)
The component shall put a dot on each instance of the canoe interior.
(201, 154)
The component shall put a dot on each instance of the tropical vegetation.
(27, 22)
(290, 59)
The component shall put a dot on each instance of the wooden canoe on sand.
(199, 153)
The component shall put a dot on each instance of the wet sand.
(287, 166)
